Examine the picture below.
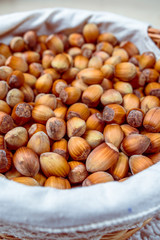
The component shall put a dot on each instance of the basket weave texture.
(118, 235)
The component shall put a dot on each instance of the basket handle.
(154, 34)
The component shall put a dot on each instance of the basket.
(119, 235)
(12, 231)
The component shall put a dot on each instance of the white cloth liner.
(113, 205)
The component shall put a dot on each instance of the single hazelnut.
(26, 161)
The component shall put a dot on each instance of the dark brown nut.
(135, 117)
(77, 172)
(5, 160)
(6, 123)
(22, 113)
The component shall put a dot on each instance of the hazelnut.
(114, 113)
(130, 48)
(60, 112)
(130, 101)
(102, 157)
(26, 181)
(54, 43)
(123, 87)
(5, 160)
(80, 62)
(3, 89)
(17, 44)
(120, 169)
(152, 120)
(135, 144)
(58, 86)
(53, 164)
(138, 163)
(41, 113)
(113, 134)
(17, 63)
(149, 102)
(15, 138)
(22, 113)
(30, 38)
(16, 79)
(93, 137)
(125, 71)
(78, 148)
(61, 147)
(111, 96)
(6, 122)
(128, 130)
(91, 76)
(78, 110)
(39, 143)
(90, 32)
(76, 127)
(48, 100)
(77, 172)
(26, 161)
(57, 182)
(5, 50)
(135, 117)
(96, 178)
(56, 128)
(44, 83)
(91, 96)
(95, 122)
(70, 95)
(36, 127)
(61, 63)
(14, 96)
(107, 37)
(40, 178)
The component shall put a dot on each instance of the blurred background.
(144, 10)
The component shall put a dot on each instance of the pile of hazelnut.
(77, 110)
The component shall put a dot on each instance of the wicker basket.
(119, 235)
(154, 34)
